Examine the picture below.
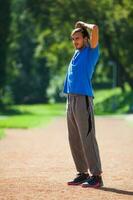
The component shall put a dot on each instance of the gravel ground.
(35, 164)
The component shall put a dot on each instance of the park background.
(35, 50)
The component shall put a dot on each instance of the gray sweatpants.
(81, 132)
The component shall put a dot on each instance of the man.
(80, 118)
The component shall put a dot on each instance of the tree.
(4, 33)
(40, 46)
(29, 72)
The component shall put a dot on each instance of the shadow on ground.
(118, 191)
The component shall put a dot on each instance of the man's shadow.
(118, 191)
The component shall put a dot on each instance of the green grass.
(28, 116)
(107, 102)
(113, 101)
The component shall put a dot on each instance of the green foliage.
(4, 32)
(30, 74)
(40, 48)
(113, 101)
(54, 91)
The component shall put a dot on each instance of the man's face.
(78, 40)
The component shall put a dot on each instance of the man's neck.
(85, 45)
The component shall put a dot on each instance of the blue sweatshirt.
(80, 71)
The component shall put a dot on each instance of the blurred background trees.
(35, 46)
(4, 34)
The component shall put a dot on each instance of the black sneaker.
(93, 181)
(80, 178)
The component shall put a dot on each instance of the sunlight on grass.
(101, 95)
(113, 101)
(106, 102)
(32, 115)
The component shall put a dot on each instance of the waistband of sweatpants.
(80, 95)
(75, 95)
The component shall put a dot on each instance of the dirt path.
(35, 164)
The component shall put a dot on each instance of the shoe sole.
(76, 184)
(92, 186)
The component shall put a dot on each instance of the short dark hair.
(81, 30)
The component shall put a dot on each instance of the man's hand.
(94, 32)
(80, 24)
